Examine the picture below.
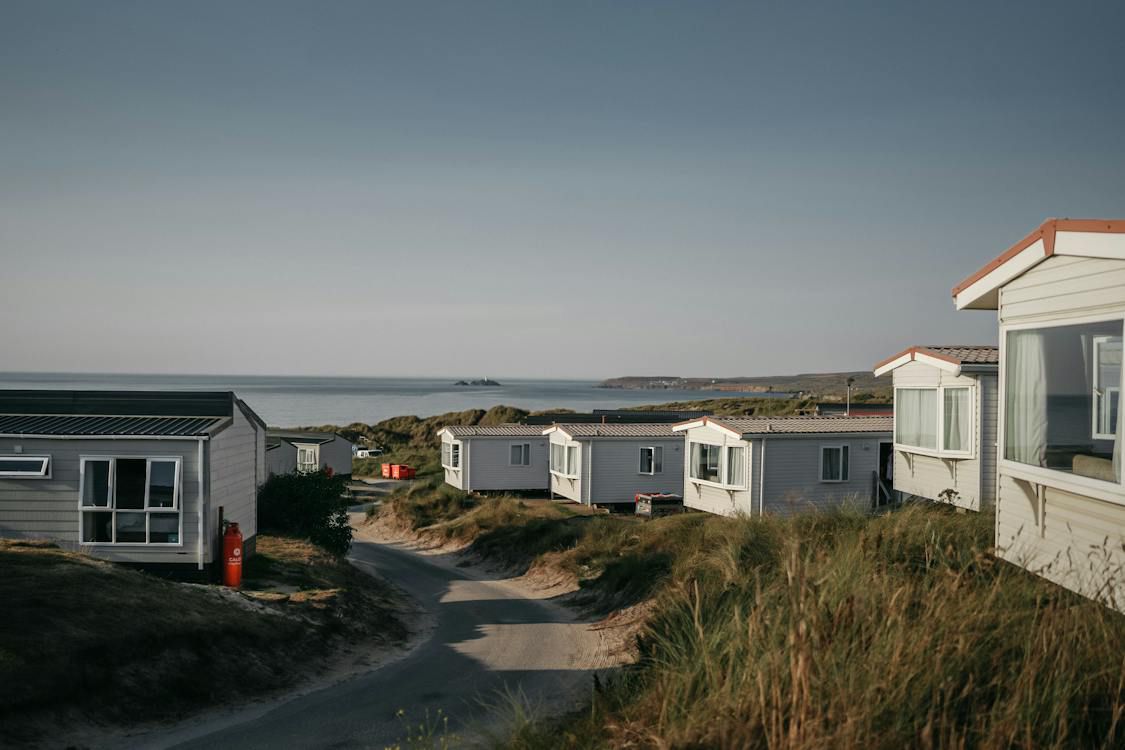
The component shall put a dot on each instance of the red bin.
(386, 471)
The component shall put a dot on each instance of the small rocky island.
(482, 381)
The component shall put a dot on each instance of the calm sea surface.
(294, 401)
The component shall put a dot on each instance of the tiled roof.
(968, 355)
(618, 430)
(954, 356)
(804, 425)
(500, 430)
(55, 424)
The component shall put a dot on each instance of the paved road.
(487, 639)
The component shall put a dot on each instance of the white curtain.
(957, 419)
(1025, 398)
(916, 417)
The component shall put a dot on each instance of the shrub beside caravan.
(782, 465)
(945, 423)
(1060, 504)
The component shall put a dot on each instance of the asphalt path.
(490, 642)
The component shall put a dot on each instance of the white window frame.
(724, 473)
(43, 473)
(1060, 480)
(456, 449)
(939, 451)
(568, 471)
(111, 509)
(845, 466)
(652, 450)
(315, 449)
(525, 450)
(1106, 400)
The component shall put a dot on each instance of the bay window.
(564, 459)
(705, 460)
(937, 420)
(716, 464)
(451, 455)
(130, 500)
(1062, 388)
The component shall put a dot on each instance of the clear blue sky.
(532, 189)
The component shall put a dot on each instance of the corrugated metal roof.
(500, 430)
(805, 425)
(71, 425)
(618, 430)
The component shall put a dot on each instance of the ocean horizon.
(296, 400)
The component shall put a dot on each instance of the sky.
(532, 189)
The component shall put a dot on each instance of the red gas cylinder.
(232, 556)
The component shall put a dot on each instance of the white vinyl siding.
(1065, 529)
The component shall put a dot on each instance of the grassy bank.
(816, 631)
(87, 640)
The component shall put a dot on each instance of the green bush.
(308, 506)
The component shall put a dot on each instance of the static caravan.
(306, 452)
(131, 477)
(945, 423)
(491, 459)
(781, 465)
(601, 464)
(1060, 504)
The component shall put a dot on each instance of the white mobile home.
(305, 452)
(601, 464)
(1060, 503)
(780, 465)
(945, 423)
(132, 477)
(491, 459)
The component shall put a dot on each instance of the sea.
(292, 401)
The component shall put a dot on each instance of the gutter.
(762, 481)
(199, 515)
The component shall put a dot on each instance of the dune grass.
(820, 630)
(88, 640)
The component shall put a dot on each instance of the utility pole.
(848, 407)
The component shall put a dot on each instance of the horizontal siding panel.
(488, 463)
(1080, 546)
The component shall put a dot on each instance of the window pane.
(23, 465)
(830, 464)
(164, 528)
(957, 415)
(1054, 396)
(162, 484)
(1107, 385)
(556, 457)
(129, 483)
(130, 528)
(705, 461)
(95, 486)
(844, 463)
(916, 417)
(445, 454)
(455, 455)
(572, 460)
(735, 460)
(646, 460)
(97, 527)
(658, 460)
